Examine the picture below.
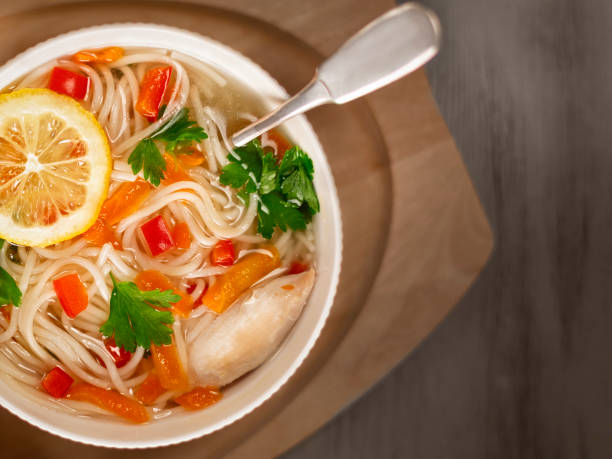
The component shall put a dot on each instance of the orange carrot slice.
(151, 279)
(235, 281)
(109, 400)
(150, 390)
(195, 158)
(128, 197)
(199, 398)
(100, 233)
(174, 172)
(169, 367)
(182, 235)
(99, 56)
(126, 200)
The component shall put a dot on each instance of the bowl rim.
(137, 34)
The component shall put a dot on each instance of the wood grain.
(416, 234)
(521, 368)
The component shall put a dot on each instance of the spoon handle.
(390, 47)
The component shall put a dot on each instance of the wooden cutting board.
(415, 234)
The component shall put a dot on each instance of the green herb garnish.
(134, 320)
(9, 291)
(178, 130)
(285, 192)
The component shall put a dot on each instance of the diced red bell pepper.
(120, 355)
(70, 83)
(223, 253)
(57, 382)
(6, 310)
(152, 89)
(158, 236)
(297, 267)
(72, 294)
(198, 301)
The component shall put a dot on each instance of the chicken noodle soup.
(146, 263)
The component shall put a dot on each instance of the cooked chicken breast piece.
(250, 331)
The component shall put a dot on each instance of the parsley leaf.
(297, 171)
(244, 167)
(147, 157)
(286, 194)
(274, 211)
(178, 130)
(134, 320)
(269, 172)
(9, 291)
(234, 175)
(1, 243)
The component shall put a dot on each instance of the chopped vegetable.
(192, 159)
(297, 268)
(177, 130)
(223, 253)
(71, 294)
(174, 172)
(237, 279)
(99, 56)
(182, 235)
(134, 320)
(286, 194)
(9, 291)
(69, 83)
(296, 173)
(158, 236)
(146, 157)
(6, 312)
(274, 211)
(150, 390)
(119, 355)
(57, 382)
(198, 301)
(169, 368)
(109, 400)
(199, 398)
(180, 130)
(152, 89)
(100, 233)
(126, 200)
(151, 279)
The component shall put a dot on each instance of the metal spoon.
(390, 47)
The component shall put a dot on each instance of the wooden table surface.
(521, 368)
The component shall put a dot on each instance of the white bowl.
(251, 391)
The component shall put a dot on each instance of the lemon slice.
(55, 166)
